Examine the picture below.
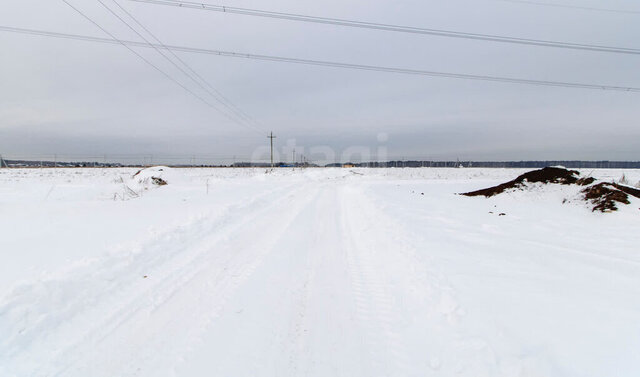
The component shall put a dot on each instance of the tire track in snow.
(304, 330)
(298, 330)
(172, 272)
(244, 268)
(407, 308)
(294, 316)
(374, 307)
(201, 297)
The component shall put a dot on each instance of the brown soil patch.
(545, 175)
(604, 195)
(626, 189)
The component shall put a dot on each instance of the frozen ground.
(321, 272)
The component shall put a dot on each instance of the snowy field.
(317, 272)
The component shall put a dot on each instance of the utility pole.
(271, 137)
(294, 158)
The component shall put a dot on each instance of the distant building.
(348, 166)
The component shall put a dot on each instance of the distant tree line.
(574, 164)
(497, 164)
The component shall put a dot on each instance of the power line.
(393, 28)
(128, 45)
(556, 5)
(161, 53)
(192, 74)
(327, 63)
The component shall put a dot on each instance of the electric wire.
(581, 7)
(394, 28)
(128, 44)
(191, 74)
(327, 63)
(158, 50)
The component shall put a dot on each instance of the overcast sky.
(74, 97)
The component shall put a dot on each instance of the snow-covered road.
(316, 273)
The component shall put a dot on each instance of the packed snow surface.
(316, 272)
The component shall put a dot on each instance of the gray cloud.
(63, 96)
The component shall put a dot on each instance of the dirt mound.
(546, 175)
(604, 196)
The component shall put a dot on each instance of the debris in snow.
(158, 181)
(623, 180)
(141, 181)
(154, 168)
(152, 174)
(603, 195)
(155, 175)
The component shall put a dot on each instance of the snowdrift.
(155, 175)
(143, 180)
